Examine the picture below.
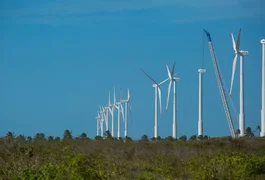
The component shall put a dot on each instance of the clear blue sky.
(58, 59)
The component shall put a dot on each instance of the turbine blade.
(233, 74)
(130, 109)
(238, 41)
(168, 72)
(160, 103)
(166, 79)
(173, 69)
(148, 76)
(122, 112)
(104, 115)
(110, 111)
(168, 93)
(129, 97)
(115, 106)
(114, 96)
(109, 97)
(120, 95)
(233, 41)
(163, 81)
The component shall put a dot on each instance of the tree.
(249, 132)
(108, 135)
(237, 132)
(206, 137)
(183, 138)
(156, 139)
(257, 129)
(170, 138)
(10, 135)
(39, 137)
(50, 138)
(83, 136)
(29, 138)
(200, 137)
(67, 134)
(127, 138)
(57, 138)
(193, 137)
(21, 138)
(144, 138)
(98, 138)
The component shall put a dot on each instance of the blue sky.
(58, 59)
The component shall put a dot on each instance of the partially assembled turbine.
(240, 53)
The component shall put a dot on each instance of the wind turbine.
(200, 110)
(102, 121)
(127, 106)
(173, 79)
(112, 108)
(106, 117)
(98, 119)
(120, 109)
(157, 93)
(240, 53)
(262, 132)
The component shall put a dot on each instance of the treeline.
(107, 135)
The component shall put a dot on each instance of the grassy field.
(216, 158)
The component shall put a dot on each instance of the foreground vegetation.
(109, 158)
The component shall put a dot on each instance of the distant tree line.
(107, 135)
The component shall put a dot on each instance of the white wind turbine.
(106, 116)
(157, 93)
(98, 121)
(241, 54)
(112, 108)
(173, 79)
(262, 132)
(127, 106)
(120, 109)
(102, 121)
(200, 107)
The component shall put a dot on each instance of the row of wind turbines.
(173, 79)
(110, 109)
(103, 114)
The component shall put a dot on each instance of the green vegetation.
(79, 157)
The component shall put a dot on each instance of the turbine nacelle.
(243, 53)
(201, 70)
(176, 79)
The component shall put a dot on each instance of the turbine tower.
(241, 54)
(120, 109)
(106, 117)
(101, 121)
(98, 119)
(200, 113)
(262, 132)
(157, 93)
(127, 106)
(173, 79)
(112, 108)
